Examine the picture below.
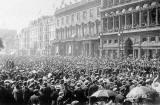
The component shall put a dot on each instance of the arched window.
(92, 28)
(110, 22)
(144, 15)
(85, 29)
(136, 19)
(144, 18)
(129, 20)
(122, 18)
(152, 16)
(116, 19)
(158, 15)
(105, 25)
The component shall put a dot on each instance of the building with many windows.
(77, 28)
(36, 39)
(130, 27)
(23, 42)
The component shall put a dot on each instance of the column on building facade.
(156, 15)
(139, 52)
(132, 20)
(82, 28)
(148, 18)
(113, 23)
(134, 53)
(76, 29)
(107, 23)
(139, 49)
(90, 48)
(125, 21)
(101, 47)
(118, 51)
(119, 21)
(140, 18)
(95, 29)
(89, 28)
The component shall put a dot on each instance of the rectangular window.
(98, 11)
(57, 22)
(144, 39)
(153, 39)
(67, 19)
(91, 12)
(105, 25)
(116, 41)
(144, 18)
(84, 14)
(152, 16)
(62, 20)
(110, 41)
(72, 17)
(78, 16)
(105, 41)
(158, 15)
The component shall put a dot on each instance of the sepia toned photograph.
(79, 52)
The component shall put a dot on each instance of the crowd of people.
(72, 80)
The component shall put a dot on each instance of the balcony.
(136, 28)
(120, 4)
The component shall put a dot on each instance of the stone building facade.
(130, 27)
(35, 40)
(77, 28)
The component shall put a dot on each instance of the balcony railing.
(121, 3)
(130, 28)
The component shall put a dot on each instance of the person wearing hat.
(60, 98)
(34, 99)
(45, 94)
(93, 88)
(80, 94)
(68, 94)
(26, 93)
(18, 95)
(54, 96)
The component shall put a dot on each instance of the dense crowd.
(72, 80)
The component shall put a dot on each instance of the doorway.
(128, 47)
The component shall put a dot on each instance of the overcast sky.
(16, 14)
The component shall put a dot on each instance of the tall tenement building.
(130, 27)
(78, 25)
